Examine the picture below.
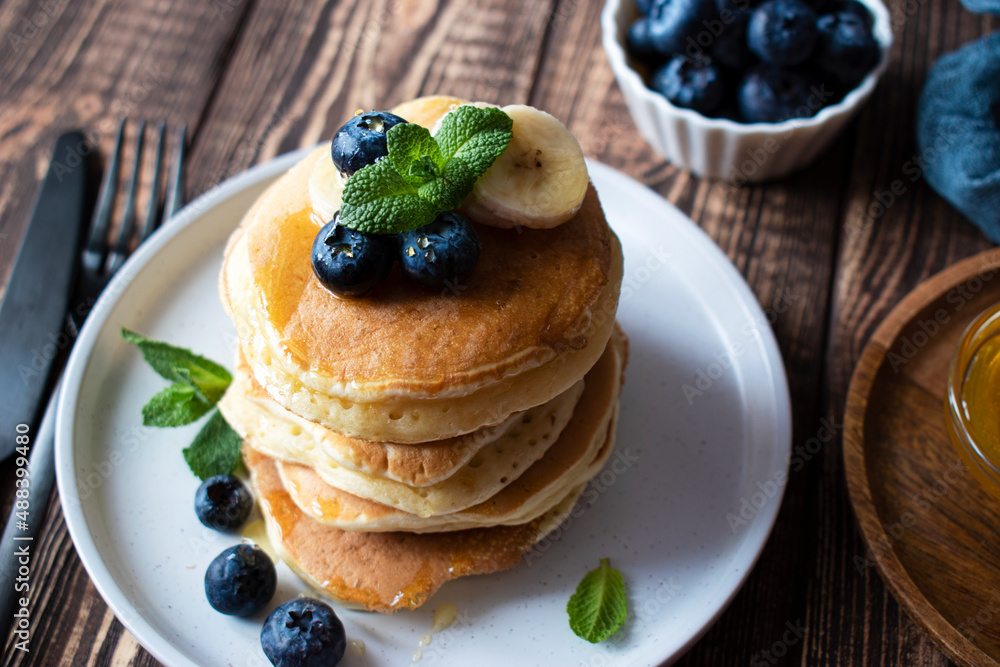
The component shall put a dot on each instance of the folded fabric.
(958, 131)
(983, 6)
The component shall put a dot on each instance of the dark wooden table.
(255, 78)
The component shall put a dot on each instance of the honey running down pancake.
(406, 363)
(572, 460)
(389, 571)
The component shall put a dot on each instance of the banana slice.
(538, 182)
(326, 187)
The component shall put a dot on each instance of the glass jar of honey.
(973, 399)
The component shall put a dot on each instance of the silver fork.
(99, 262)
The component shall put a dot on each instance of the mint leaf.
(598, 607)
(185, 379)
(215, 450)
(414, 153)
(477, 136)
(177, 405)
(207, 378)
(471, 139)
(424, 168)
(457, 181)
(424, 175)
(378, 200)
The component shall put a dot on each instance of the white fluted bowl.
(720, 148)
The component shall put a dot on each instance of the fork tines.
(98, 257)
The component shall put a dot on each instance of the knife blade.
(33, 312)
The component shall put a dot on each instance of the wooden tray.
(929, 526)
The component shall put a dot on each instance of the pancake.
(406, 363)
(288, 437)
(527, 300)
(427, 110)
(577, 455)
(413, 436)
(389, 571)
(279, 433)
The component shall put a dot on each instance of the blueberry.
(303, 632)
(675, 24)
(847, 50)
(730, 47)
(241, 580)
(782, 32)
(693, 83)
(771, 94)
(223, 502)
(639, 42)
(644, 6)
(349, 262)
(442, 253)
(361, 140)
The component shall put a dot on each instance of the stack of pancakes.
(412, 436)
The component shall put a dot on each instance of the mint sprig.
(424, 175)
(599, 606)
(198, 384)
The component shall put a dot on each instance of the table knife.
(33, 313)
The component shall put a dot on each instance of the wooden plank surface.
(886, 249)
(254, 78)
(67, 65)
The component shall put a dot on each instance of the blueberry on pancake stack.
(428, 422)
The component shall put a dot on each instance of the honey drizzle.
(287, 274)
(444, 616)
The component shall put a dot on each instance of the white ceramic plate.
(683, 510)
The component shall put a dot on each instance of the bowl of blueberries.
(745, 90)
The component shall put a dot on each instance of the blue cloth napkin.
(958, 131)
(983, 6)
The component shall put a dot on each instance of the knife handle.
(19, 548)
